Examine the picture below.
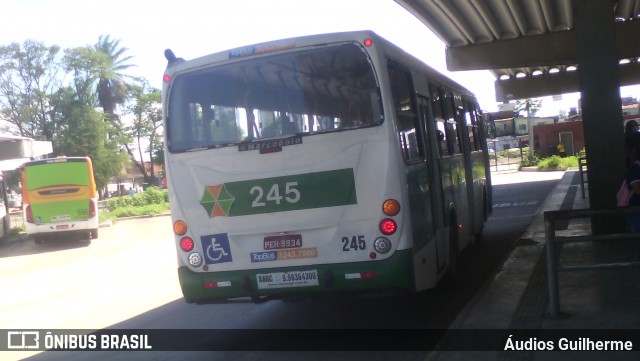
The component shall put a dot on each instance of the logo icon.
(264, 256)
(23, 340)
(217, 201)
(216, 248)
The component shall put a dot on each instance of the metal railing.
(550, 219)
(102, 206)
(582, 165)
(15, 220)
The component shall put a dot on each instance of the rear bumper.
(394, 273)
(65, 227)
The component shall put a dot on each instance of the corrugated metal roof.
(465, 23)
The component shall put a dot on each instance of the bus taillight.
(391, 207)
(382, 245)
(92, 209)
(186, 244)
(195, 259)
(29, 214)
(388, 226)
(180, 227)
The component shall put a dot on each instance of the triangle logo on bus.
(217, 201)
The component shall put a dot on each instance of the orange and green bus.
(59, 197)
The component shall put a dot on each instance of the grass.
(133, 211)
(530, 159)
(558, 163)
(16, 231)
(152, 201)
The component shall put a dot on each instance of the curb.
(14, 239)
(109, 223)
(513, 276)
(23, 236)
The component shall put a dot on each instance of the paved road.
(127, 279)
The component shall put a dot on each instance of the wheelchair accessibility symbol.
(216, 248)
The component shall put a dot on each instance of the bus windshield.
(295, 93)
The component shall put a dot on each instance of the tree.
(531, 106)
(112, 87)
(84, 65)
(28, 80)
(84, 133)
(146, 108)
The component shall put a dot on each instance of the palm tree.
(112, 87)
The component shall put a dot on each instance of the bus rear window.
(303, 92)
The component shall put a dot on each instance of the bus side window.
(438, 117)
(472, 125)
(406, 114)
(452, 130)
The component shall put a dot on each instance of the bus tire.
(94, 233)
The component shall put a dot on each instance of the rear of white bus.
(284, 177)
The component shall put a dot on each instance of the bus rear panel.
(286, 175)
(59, 196)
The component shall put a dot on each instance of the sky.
(194, 28)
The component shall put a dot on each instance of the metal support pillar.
(601, 104)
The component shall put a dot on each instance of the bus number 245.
(275, 194)
(355, 243)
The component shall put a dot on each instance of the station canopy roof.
(15, 149)
(528, 45)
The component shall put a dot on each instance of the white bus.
(316, 165)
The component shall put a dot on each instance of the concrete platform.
(595, 304)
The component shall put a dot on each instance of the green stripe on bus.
(280, 194)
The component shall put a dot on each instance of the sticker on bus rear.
(284, 241)
(287, 279)
(280, 194)
(216, 248)
(284, 254)
(264, 256)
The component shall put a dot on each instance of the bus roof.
(56, 160)
(176, 64)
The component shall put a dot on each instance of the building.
(132, 177)
(546, 138)
(544, 134)
(508, 131)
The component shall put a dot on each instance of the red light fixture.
(186, 244)
(388, 226)
(166, 78)
(92, 209)
(368, 42)
(29, 214)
